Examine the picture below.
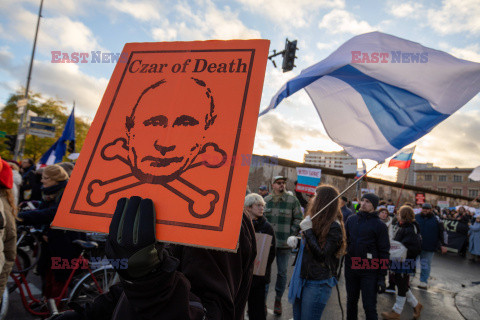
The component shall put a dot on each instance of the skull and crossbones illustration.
(160, 146)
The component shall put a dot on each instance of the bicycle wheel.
(21, 265)
(86, 289)
(32, 245)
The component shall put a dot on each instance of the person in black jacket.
(30, 188)
(325, 241)
(432, 239)
(366, 262)
(253, 208)
(176, 282)
(59, 244)
(407, 234)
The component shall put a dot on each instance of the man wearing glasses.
(284, 213)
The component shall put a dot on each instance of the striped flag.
(361, 170)
(403, 159)
(378, 93)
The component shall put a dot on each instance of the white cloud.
(141, 10)
(288, 139)
(341, 21)
(164, 34)
(290, 13)
(459, 139)
(55, 80)
(471, 53)
(456, 17)
(406, 9)
(208, 22)
(57, 33)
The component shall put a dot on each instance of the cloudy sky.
(320, 26)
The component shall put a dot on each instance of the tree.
(50, 108)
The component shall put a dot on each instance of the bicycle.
(87, 284)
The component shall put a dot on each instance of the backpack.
(417, 248)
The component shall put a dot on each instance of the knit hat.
(6, 175)
(275, 179)
(373, 198)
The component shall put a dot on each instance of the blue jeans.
(425, 264)
(282, 257)
(315, 295)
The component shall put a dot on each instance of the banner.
(174, 122)
(308, 180)
(457, 232)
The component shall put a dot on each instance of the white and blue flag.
(57, 151)
(378, 93)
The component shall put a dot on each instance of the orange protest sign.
(175, 124)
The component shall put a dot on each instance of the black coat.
(31, 183)
(367, 235)
(261, 225)
(59, 241)
(319, 261)
(407, 236)
(191, 283)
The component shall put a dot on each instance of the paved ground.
(451, 275)
(452, 295)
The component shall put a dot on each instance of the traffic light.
(11, 141)
(289, 55)
(71, 146)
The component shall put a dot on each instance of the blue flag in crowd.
(56, 152)
(378, 93)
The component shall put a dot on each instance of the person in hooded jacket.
(253, 208)
(408, 234)
(57, 243)
(325, 243)
(368, 248)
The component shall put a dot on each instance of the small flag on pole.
(403, 159)
(361, 170)
(57, 151)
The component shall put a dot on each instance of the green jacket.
(284, 215)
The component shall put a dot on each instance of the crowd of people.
(324, 232)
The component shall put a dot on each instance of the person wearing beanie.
(59, 244)
(366, 262)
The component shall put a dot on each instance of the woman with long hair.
(324, 242)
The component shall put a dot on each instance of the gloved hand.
(132, 237)
(306, 224)
(381, 285)
(292, 242)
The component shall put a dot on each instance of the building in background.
(339, 160)
(453, 180)
(412, 174)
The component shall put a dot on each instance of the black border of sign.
(232, 164)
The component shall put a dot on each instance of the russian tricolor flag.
(403, 159)
(378, 93)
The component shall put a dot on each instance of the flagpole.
(348, 188)
(403, 186)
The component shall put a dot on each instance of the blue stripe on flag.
(401, 116)
(403, 157)
(310, 181)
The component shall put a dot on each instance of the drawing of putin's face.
(167, 128)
